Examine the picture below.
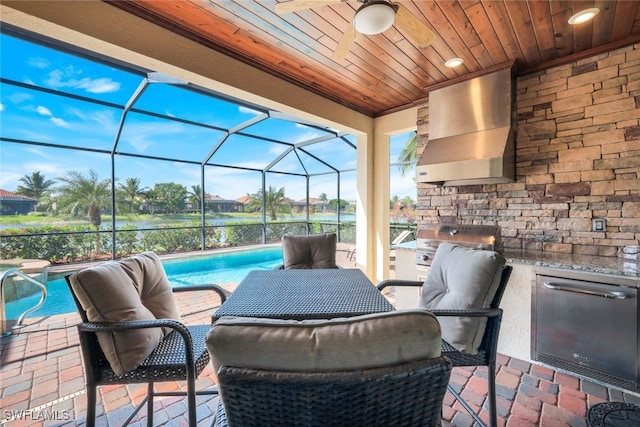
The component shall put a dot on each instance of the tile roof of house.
(216, 198)
(243, 199)
(8, 195)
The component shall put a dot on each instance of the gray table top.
(304, 294)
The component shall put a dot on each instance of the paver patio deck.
(42, 383)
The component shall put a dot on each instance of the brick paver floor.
(42, 383)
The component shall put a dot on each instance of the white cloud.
(1, 106)
(248, 111)
(142, 135)
(40, 63)
(20, 97)
(105, 118)
(71, 78)
(43, 111)
(309, 134)
(59, 122)
(102, 85)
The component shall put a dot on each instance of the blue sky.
(49, 119)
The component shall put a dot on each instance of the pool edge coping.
(59, 272)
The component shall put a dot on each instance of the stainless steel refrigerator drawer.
(587, 324)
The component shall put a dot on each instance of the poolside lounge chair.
(131, 331)
(399, 239)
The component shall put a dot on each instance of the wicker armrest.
(142, 324)
(206, 287)
(398, 282)
(480, 312)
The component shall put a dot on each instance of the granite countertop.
(615, 266)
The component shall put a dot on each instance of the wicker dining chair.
(469, 330)
(309, 251)
(381, 369)
(131, 331)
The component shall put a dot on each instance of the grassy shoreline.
(29, 220)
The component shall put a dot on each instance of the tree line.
(76, 195)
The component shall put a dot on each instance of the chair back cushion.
(134, 288)
(360, 342)
(462, 278)
(309, 251)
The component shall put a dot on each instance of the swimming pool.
(221, 267)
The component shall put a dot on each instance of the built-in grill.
(429, 236)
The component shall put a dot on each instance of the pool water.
(226, 267)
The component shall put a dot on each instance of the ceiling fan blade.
(346, 42)
(417, 31)
(296, 5)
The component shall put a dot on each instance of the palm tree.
(408, 157)
(170, 196)
(82, 192)
(195, 196)
(131, 192)
(275, 202)
(35, 186)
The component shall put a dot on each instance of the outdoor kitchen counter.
(615, 266)
(515, 333)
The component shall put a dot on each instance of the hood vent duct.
(471, 133)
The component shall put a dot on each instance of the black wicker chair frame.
(488, 349)
(408, 394)
(181, 356)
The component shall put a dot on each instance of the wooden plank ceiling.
(386, 72)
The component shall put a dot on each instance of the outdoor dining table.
(304, 294)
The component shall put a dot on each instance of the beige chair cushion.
(359, 342)
(134, 288)
(309, 251)
(462, 278)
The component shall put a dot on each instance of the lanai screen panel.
(302, 163)
(160, 137)
(231, 183)
(247, 152)
(47, 118)
(188, 104)
(39, 65)
(285, 131)
(338, 153)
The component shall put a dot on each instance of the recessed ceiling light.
(584, 16)
(454, 62)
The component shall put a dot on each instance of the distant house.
(297, 206)
(318, 205)
(243, 201)
(215, 203)
(16, 204)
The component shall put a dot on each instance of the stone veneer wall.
(577, 158)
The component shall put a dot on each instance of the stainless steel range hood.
(471, 133)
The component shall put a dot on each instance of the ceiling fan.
(373, 17)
